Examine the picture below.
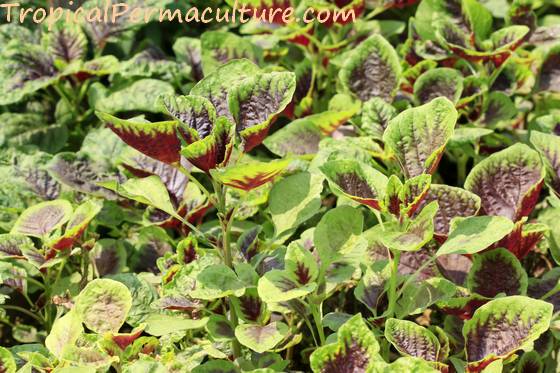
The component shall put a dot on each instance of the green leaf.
(7, 361)
(293, 200)
(149, 190)
(64, 332)
(337, 233)
(103, 305)
(281, 286)
(217, 281)
(140, 95)
(411, 339)
(413, 234)
(473, 234)
(417, 136)
(160, 324)
(357, 181)
(548, 145)
(356, 349)
(261, 338)
(503, 326)
(79, 221)
(404, 364)
(43, 218)
(497, 271)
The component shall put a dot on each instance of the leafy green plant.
(379, 195)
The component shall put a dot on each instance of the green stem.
(462, 168)
(316, 312)
(393, 283)
(37, 318)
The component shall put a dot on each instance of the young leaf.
(508, 182)
(43, 218)
(503, 326)
(261, 338)
(219, 47)
(283, 285)
(473, 234)
(376, 115)
(79, 221)
(103, 305)
(357, 181)
(497, 271)
(355, 350)
(418, 136)
(440, 82)
(217, 281)
(256, 101)
(372, 70)
(530, 362)
(7, 361)
(523, 238)
(411, 339)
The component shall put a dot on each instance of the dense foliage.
(375, 196)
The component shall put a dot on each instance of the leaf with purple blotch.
(42, 219)
(411, 339)
(523, 238)
(250, 175)
(376, 114)
(12, 246)
(215, 86)
(356, 349)
(497, 271)
(440, 82)
(498, 110)
(372, 70)
(502, 326)
(261, 338)
(219, 47)
(453, 202)
(357, 181)
(549, 73)
(255, 103)
(157, 140)
(508, 182)
(371, 287)
(417, 136)
(79, 221)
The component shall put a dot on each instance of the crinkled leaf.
(508, 182)
(418, 136)
(497, 271)
(188, 50)
(103, 305)
(43, 218)
(475, 233)
(376, 115)
(256, 101)
(219, 47)
(411, 339)
(372, 70)
(503, 326)
(356, 349)
(440, 82)
(453, 202)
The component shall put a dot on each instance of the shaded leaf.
(43, 218)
